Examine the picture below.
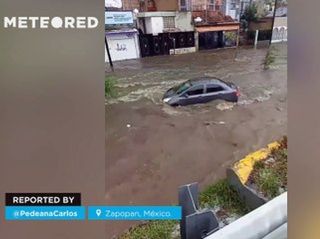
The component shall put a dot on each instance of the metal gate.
(162, 43)
(210, 40)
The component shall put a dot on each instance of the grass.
(223, 195)
(110, 87)
(151, 230)
(268, 182)
(271, 176)
(219, 194)
(270, 58)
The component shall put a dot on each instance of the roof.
(212, 18)
(205, 80)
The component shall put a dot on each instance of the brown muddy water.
(152, 148)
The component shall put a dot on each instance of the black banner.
(43, 199)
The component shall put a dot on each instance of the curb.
(239, 173)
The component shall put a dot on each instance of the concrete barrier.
(238, 176)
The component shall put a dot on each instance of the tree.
(250, 15)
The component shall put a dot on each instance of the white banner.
(113, 3)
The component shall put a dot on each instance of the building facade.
(121, 36)
(213, 28)
(162, 27)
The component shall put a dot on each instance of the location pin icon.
(98, 212)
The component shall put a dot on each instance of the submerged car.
(201, 90)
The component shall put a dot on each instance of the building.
(232, 8)
(213, 29)
(161, 27)
(121, 36)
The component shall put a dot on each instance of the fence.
(162, 43)
(279, 34)
(264, 35)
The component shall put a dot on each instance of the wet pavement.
(152, 148)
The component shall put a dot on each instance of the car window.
(180, 88)
(214, 88)
(197, 90)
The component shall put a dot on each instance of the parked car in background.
(201, 90)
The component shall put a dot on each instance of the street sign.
(118, 18)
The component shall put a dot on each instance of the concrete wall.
(123, 46)
(183, 21)
(262, 24)
(281, 22)
(154, 21)
(154, 25)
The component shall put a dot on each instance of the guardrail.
(267, 221)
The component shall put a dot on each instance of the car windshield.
(182, 87)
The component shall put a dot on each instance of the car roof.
(206, 80)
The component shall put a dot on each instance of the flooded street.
(152, 148)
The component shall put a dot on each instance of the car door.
(194, 95)
(214, 92)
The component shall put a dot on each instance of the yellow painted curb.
(244, 167)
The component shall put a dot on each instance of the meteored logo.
(50, 22)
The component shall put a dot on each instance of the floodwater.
(153, 148)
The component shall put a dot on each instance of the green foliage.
(281, 164)
(110, 87)
(250, 13)
(219, 194)
(270, 176)
(268, 182)
(270, 58)
(223, 195)
(231, 36)
(258, 165)
(151, 230)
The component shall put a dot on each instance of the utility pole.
(274, 17)
(108, 52)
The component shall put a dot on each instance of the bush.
(110, 87)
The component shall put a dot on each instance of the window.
(185, 5)
(198, 90)
(211, 5)
(168, 22)
(181, 88)
(214, 88)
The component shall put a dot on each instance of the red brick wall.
(130, 4)
(161, 5)
(167, 5)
